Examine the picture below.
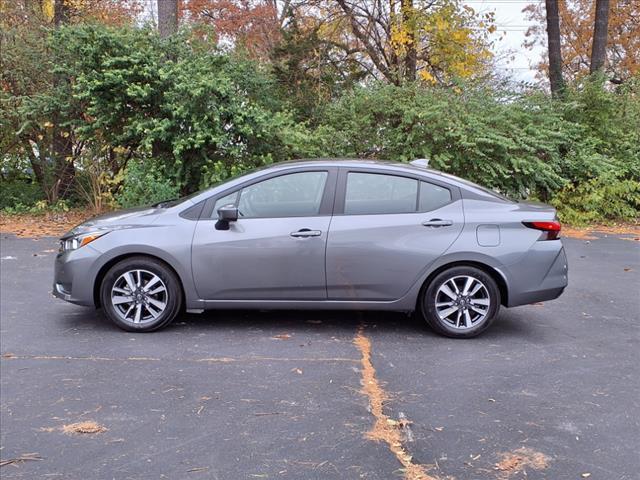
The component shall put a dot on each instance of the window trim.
(341, 190)
(326, 203)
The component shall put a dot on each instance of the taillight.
(551, 229)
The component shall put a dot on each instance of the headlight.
(77, 241)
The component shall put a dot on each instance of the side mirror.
(226, 214)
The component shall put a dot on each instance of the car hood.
(119, 219)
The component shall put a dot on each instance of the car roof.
(351, 162)
(374, 164)
(382, 165)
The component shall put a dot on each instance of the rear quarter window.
(433, 197)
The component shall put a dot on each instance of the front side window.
(290, 195)
(373, 193)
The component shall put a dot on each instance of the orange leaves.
(576, 30)
(253, 25)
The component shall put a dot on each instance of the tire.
(460, 302)
(141, 294)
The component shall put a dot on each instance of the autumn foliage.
(251, 25)
(576, 29)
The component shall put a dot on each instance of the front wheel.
(140, 294)
(461, 302)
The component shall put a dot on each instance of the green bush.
(145, 183)
(19, 194)
(512, 144)
(602, 199)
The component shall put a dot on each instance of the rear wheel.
(140, 294)
(461, 302)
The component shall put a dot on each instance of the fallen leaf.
(517, 461)
(627, 269)
(86, 427)
(282, 336)
(297, 370)
(585, 475)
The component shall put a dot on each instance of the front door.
(386, 231)
(276, 248)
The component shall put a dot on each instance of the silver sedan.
(319, 234)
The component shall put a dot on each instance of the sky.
(512, 25)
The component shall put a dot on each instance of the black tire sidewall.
(428, 306)
(174, 292)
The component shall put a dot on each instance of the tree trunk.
(64, 168)
(167, 17)
(411, 58)
(555, 52)
(62, 147)
(60, 12)
(599, 47)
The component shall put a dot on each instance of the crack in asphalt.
(11, 356)
(384, 429)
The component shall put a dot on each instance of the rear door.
(276, 248)
(386, 230)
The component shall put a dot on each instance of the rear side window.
(432, 197)
(373, 193)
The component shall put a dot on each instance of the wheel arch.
(494, 273)
(113, 261)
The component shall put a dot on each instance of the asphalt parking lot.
(551, 391)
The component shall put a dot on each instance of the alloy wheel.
(462, 302)
(139, 296)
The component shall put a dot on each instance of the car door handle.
(436, 222)
(305, 232)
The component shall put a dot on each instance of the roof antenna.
(420, 162)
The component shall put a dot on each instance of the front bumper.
(74, 275)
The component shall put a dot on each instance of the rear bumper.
(541, 275)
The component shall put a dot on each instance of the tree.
(167, 17)
(555, 52)
(34, 98)
(395, 40)
(254, 26)
(577, 17)
(599, 48)
(407, 39)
